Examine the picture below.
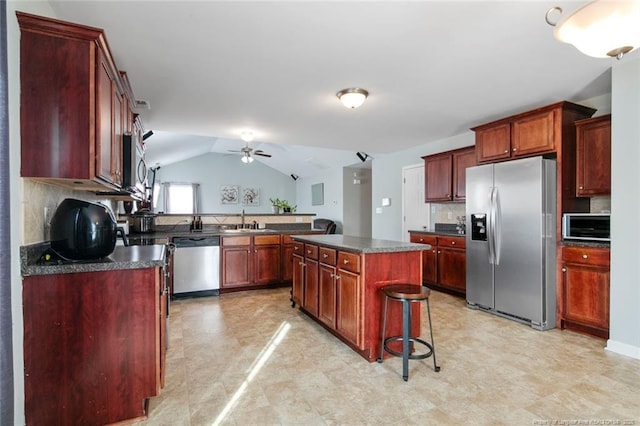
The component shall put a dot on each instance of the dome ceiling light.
(352, 97)
(602, 28)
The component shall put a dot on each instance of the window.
(180, 197)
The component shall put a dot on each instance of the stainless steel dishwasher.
(196, 268)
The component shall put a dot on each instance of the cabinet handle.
(515, 149)
(308, 251)
(433, 251)
(421, 240)
(325, 255)
(564, 269)
(584, 256)
(506, 151)
(338, 277)
(581, 187)
(439, 251)
(302, 264)
(296, 248)
(345, 261)
(453, 243)
(256, 251)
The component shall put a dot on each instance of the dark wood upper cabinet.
(444, 174)
(73, 110)
(593, 156)
(536, 132)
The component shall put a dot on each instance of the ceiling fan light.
(352, 97)
(602, 29)
(246, 159)
(246, 136)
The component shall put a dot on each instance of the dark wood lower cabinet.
(94, 345)
(444, 266)
(341, 291)
(585, 290)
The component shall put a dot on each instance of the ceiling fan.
(248, 152)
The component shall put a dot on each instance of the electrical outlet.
(450, 215)
(46, 228)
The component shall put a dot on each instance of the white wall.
(213, 170)
(332, 207)
(624, 334)
(357, 189)
(387, 182)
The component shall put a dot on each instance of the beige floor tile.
(248, 358)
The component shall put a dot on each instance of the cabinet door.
(533, 134)
(286, 268)
(106, 87)
(116, 140)
(236, 266)
(266, 264)
(297, 286)
(586, 295)
(461, 160)
(593, 165)
(493, 143)
(311, 286)
(430, 266)
(327, 295)
(348, 311)
(437, 176)
(452, 269)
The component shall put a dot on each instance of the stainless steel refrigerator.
(511, 240)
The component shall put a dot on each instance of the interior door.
(415, 211)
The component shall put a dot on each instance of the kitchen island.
(337, 281)
(94, 335)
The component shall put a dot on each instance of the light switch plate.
(386, 202)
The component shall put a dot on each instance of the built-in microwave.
(134, 168)
(586, 226)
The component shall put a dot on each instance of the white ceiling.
(434, 69)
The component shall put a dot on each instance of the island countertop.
(360, 244)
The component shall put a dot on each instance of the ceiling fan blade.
(262, 154)
(233, 150)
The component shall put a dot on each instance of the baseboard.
(623, 349)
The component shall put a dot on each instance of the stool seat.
(406, 294)
(406, 291)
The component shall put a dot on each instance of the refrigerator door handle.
(491, 226)
(497, 224)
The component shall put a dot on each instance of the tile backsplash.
(37, 197)
(446, 213)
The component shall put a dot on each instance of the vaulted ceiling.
(211, 69)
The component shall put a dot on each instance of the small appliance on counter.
(587, 227)
(143, 222)
(81, 230)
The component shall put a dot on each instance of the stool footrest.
(412, 340)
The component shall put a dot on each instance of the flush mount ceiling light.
(602, 28)
(246, 136)
(352, 97)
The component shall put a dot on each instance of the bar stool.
(407, 294)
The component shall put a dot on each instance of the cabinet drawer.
(236, 241)
(261, 240)
(327, 256)
(457, 242)
(349, 261)
(311, 251)
(286, 239)
(585, 255)
(298, 248)
(423, 239)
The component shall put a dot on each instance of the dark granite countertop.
(163, 236)
(434, 232)
(360, 244)
(131, 257)
(578, 243)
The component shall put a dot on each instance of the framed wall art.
(229, 194)
(251, 196)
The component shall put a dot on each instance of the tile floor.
(249, 358)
